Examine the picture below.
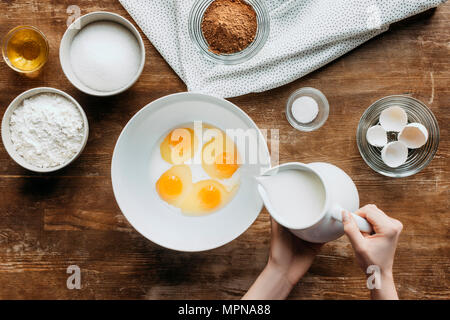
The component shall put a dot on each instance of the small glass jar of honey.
(25, 49)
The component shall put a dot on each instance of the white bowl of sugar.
(102, 54)
(44, 130)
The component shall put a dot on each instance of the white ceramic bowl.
(72, 31)
(135, 192)
(6, 134)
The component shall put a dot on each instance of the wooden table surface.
(51, 221)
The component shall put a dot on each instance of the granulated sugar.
(105, 56)
(47, 130)
(305, 109)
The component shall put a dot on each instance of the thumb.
(351, 230)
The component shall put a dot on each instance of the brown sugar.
(229, 26)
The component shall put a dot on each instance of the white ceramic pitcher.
(340, 194)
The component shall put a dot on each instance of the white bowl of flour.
(102, 54)
(44, 129)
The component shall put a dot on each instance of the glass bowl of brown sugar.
(229, 31)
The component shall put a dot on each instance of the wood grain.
(48, 222)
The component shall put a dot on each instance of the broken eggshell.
(414, 135)
(377, 136)
(394, 154)
(393, 119)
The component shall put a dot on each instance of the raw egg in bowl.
(185, 192)
(203, 180)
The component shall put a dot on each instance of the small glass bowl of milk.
(307, 109)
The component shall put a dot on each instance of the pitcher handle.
(363, 225)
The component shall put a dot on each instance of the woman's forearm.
(387, 290)
(271, 284)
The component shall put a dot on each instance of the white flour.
(47, 130)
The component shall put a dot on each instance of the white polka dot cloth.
(304, 35)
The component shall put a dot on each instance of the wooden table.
(48, 222)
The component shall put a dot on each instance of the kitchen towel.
(304, 35)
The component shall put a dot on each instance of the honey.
(26, 49)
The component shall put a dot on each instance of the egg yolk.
(220, 157)
(181, 138)
(169, 186)
(226, 164)
(210, 197)
(177, 133)
(179, 146)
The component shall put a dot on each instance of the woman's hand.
(377, 249)
(290, 255)
(289, 259)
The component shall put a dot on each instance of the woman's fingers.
(352, 231)
(276, 229)
(273, 226)
(377, 218)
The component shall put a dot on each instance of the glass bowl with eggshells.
(398, 136)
